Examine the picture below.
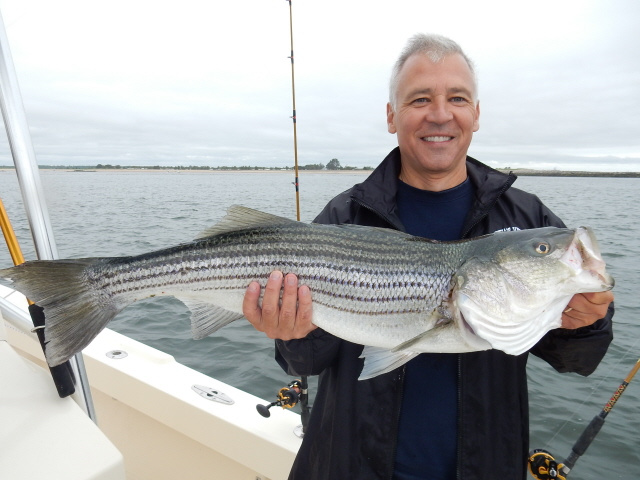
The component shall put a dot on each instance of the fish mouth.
(583, 257)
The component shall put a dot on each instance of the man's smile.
(440, 138)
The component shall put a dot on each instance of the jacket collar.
(489, 186)
(378, 191)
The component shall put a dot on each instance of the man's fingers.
(603, 299)
(250, 307)
(271, 301)
(305, 310)
(586, 308)
(289, 305)
(285, 318)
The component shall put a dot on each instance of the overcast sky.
(208, 82)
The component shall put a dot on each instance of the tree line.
(333, 164)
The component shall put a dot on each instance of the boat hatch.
(212, 394)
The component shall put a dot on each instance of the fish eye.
(543, 248)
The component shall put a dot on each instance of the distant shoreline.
(522, 172)
(525, 172)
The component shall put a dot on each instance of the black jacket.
(352, 429)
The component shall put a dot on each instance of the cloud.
(209, 83)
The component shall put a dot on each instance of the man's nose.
(439, 111)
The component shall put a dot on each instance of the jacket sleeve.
(579, 350)
(309, 355)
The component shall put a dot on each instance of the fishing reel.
(287, 397)
(543, 466)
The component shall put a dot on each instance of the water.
(125, 213)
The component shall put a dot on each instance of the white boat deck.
(147, 412)
(36, 423)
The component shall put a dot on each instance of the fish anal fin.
(207, 318)
(380, 360)
(240, 218)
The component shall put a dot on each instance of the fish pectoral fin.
(380, 360)
(440, 322)
(240, 218)
(412, 341)
(207, 318)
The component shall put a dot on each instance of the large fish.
(396, 294)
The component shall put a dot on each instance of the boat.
(155, 418)
(136, 413)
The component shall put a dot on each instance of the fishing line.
(597, 388)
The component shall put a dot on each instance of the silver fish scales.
(346, 271)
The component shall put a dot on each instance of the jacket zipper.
(459, 436)
(505, 187)
(394, 450)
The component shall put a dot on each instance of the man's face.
(435, 116)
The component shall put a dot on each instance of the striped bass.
(396, 294)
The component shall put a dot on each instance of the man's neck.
(433, 181)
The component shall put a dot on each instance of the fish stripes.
(346, 272)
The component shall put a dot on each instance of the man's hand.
(284, 319)
(585, 308)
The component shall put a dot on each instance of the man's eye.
(458, 99)
(421, 100)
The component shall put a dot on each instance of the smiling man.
(440, 416)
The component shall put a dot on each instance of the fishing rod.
(295, 130)
(543, 466)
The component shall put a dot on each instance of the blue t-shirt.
(428, 427)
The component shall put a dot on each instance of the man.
(441, 416)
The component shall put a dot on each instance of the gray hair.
(436, 47)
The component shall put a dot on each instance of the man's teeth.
(436, 139)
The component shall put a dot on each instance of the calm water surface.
(126, 213)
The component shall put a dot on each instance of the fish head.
(514, 288)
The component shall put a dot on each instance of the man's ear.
(391, 127)
(476, 123)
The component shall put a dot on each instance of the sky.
(208, 82)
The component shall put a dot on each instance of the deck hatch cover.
(212, 394)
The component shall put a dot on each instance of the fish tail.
(74, 312)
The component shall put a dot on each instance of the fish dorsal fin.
(207, 318)
(240, 218)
